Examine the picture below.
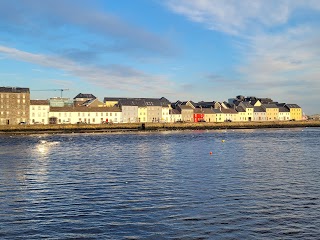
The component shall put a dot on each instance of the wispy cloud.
(53, 20)
(118, 77)
(238, 17)
(287, 62)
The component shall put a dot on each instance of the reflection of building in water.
(14, 105)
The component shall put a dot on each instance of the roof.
(175, 111)
(206, 104)
(229, 110)
(140, 102)
(240, 109)
(265, 100)
(259, 109)
(14, 90)
(207, 111)
(39, 102)
(197, 110)
(246, 105)
(292, 106)
(84, 109)
(113, 99)
(185, 107)
(84, 95)
(270, 105)
(284, 109)
(216, 111)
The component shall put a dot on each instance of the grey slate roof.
(283, 109)
(207, 111)
(247, 105)
(259, 109)
(84, 95)
(14, 90)
(175, 111)
(292, 106)
(229, 110)
(240, 109)
(270, 105)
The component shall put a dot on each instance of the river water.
(256, 184)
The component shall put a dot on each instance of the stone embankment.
(127, 127)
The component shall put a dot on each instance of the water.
(257, 184)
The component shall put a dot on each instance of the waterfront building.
(175, 115)
(259, 114)
(295, 111)
(92, 115)
(165, 111)
(219, 115)
(39, 111)
(284, 114)
(142, 113)
(186, 113)
(209, 115)
(129, 108)
(272, 111)
(154, 109)
(198, 115)
(14, 105)
(248, 111)
(230, 114)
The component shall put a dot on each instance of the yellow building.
(245, 111)
(272, 111)
(142, 113)
(295, 111)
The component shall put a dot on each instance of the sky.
(209, 50)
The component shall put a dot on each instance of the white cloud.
(238, 17)
(116, 77)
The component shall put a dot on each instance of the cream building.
(73, 115)
(39, 112)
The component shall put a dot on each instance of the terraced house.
(295, 111)
(16, 107)
(93, 115)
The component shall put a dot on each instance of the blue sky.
(180, 49)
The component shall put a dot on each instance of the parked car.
(23, 123)
(202, 120)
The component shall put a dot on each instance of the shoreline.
(138, 127)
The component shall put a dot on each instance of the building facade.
(39, 111)
(14, 105)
